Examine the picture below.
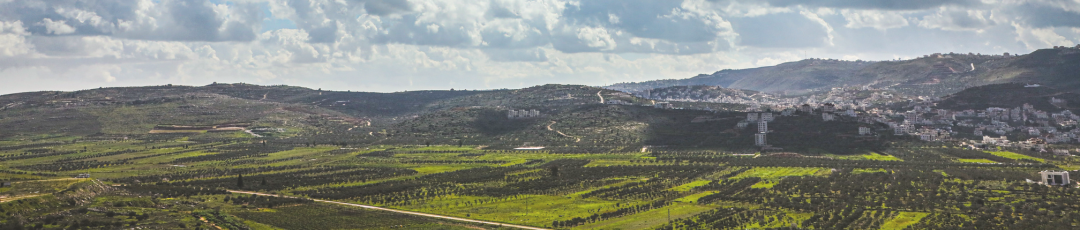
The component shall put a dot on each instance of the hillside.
(1012, 95)
(933, 75)
(225, 107)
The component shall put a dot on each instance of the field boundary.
(397, 211)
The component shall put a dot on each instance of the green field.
(976, 161)
(903, 220)
(1015, 156)
(649, 219)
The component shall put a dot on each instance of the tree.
(263, 181)
(239, 180)
(554, 171)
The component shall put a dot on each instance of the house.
(828, 117)
(829, 108)
(806, 108)
(787, 112)
(752, 117)
(767, 117)
(83, 175)
(617, 102)
(1052, 177)
(864, 131)
(1061, 152)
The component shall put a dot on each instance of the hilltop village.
(884, 111)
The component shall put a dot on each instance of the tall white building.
(759, 139)
(752, 117)
(1051, 177)
(767, 117)
(763, 127)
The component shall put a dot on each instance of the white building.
(767, 117)
(752, 117)
(864, 131)
(759, 139)
(1061, 152)
(828, 117)
(763, 127)
(742, 124)
(522, 114)
(787, 112)
(1055, 177)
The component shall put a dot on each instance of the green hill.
(935, 75)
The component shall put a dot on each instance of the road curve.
(398, 211)
(561, 133)
(601, 97)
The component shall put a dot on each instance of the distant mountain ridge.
(931, 75)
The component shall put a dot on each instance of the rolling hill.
(933, 75)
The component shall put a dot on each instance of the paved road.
(399, 211)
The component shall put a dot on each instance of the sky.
(397, 45)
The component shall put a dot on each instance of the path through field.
(561, 133)
(601, 97)
(398, 211)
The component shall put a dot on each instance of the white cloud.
(397, 45)
(595, 37)
(57, 27)
(957, 20)
(880, 20)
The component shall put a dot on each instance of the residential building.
(767, 117)
(828, 117)
(1053, 177)
(759, 139)
(763, 126)
(864, 131)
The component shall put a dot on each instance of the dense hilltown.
(1023, 127)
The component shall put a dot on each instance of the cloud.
(167, 20)
(874, 4)
(957, 20)
(56, 27)
(388, 45)
(880, 20)
(784, 30)
(1044, 16)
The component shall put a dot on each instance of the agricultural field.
(451, 160)
(180, 183)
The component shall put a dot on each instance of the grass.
(903, 220)
(1016, 156)
(693, 198)
(541, 211)
(648, 219)
(871, 156)
(691, 185)
(325, 216)
(879, 157)
(781, 172)
(976, 161)
(862, 170)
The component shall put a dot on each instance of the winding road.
(561, 133)
(601, 97)
(398, 211)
